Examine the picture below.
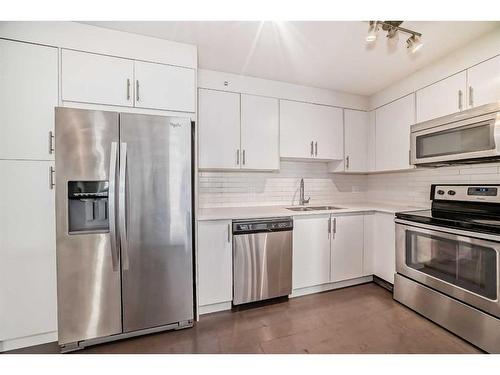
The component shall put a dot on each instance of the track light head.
(372, 32)
(392, 33)
(414, 43)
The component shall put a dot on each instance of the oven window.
(466, 265)
(455, 141)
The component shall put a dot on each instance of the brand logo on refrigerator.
(175, 124)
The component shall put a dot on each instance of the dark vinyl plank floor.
(359, 319)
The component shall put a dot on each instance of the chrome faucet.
(303, 201)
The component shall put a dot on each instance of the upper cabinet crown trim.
(221, 81)
(77, 36)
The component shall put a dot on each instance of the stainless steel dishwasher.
(262, 259)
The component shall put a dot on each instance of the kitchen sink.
(324, 208)
(298, 208)
(314, 208)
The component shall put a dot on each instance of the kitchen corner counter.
(252, 212)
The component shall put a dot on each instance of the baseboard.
(207, 309)
(384, 284)
(22, 342)
(330, 286)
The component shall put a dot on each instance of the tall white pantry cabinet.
(28, 95)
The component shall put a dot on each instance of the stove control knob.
(451, 192)
(440, 192)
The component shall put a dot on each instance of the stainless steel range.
(447, 262)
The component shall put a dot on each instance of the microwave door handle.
(122, 213)
(111, 205)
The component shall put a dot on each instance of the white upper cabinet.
(164, 87)
(28, 95)
(259, 133)
(347, 247)
(238, 133)
(215, 262)
(310, 131)
(356, 130)
(392, 140)
(219, 129)
(92, 78)
(311, 251)
(371, 143)
(442, 98)
(484, 83)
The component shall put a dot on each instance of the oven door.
(477, 137)
(464, 265)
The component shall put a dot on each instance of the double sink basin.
(314, 208)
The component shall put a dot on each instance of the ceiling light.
(393, 28)
(414, 43)
(372, 32)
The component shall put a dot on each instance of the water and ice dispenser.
(88, 207)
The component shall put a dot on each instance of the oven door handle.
(446, 230)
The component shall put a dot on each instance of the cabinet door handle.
(229, 233)
(51, 142)
(471, 96)
(243, 157)
(334, 225)
(312, 148)
(316, 149)
(128, 88)
(329, 227)
(347, 162)
(460, 95)
(137, 90)
(237, 157)
(51, 178)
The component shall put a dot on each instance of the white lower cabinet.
(311, 251)
(347, 247)
(380, 247)
(28, 306)
(214, 260)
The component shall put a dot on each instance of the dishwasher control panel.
(262, 225)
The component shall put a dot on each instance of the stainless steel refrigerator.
(124, 225)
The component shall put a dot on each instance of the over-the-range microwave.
(471, 136)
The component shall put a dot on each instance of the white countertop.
(252, 212)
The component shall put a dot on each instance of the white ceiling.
(327, 54)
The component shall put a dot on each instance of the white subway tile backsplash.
(223, 189)
(220, 189)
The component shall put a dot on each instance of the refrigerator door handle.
(122, 214)
(111, 204)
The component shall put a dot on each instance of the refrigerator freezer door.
(88, 273)
(157, 285)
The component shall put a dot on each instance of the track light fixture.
(414, 42)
